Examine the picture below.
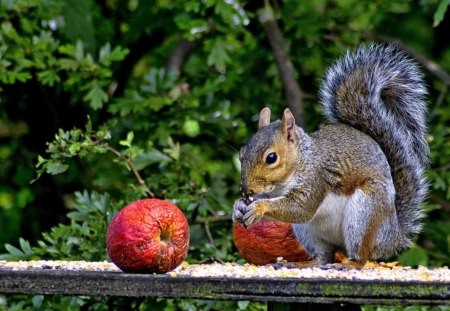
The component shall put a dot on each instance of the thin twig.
(443, 203)
(211, 240)
(131, 166)
(213, 219)
(209, 235)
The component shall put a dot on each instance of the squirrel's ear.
(288, 126)
(264, 117)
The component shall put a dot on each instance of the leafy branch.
(130, 165)
(89, 218)
(76, 143)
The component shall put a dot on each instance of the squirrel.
(356, 185)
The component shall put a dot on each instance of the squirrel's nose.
(246, 192)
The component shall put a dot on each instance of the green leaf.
(218, 56)
(105, 51)
(74, 148)
(175, 149)
(7, 256)
(440, 12)
(236, 162)
(128, 141)
(243, 305)
(37, 301)
(96, 97)
(14, 250)
(106, 56)
(78, 216)
(118, 54)
(41, 161)
(48, 77)
(79, 51)
(154, 156)
(25, 246)
(67, 49)
(10, 77)
(156, 103)
(89, 124)
(68, 64)
(55, 167)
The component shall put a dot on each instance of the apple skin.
(265, 241)
(148, 236)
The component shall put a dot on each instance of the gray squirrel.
(356, 185)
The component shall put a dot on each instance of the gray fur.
(392, 111)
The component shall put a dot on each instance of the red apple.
(148, 235)
(265, 241)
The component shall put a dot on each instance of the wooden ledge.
(313, 290)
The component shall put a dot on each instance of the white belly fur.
(328, 220)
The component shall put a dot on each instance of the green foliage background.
(93, 79)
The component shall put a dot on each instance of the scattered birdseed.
(384, 272)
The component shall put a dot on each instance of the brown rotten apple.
(265, 241)
(148, 235)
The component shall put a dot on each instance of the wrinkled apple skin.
(147, 236)
(265, 241)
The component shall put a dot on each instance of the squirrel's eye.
(271, 158)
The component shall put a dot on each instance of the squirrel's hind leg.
(367, 211)
(321, 250)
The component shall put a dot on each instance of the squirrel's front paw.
(238, 210)
(248, 214)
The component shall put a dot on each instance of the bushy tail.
(379, 91)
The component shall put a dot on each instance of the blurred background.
(105, 102)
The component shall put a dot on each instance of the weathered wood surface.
(108, 283)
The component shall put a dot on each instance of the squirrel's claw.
(253, 213)
(247, 211)
(245, 214)
(250, 218)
